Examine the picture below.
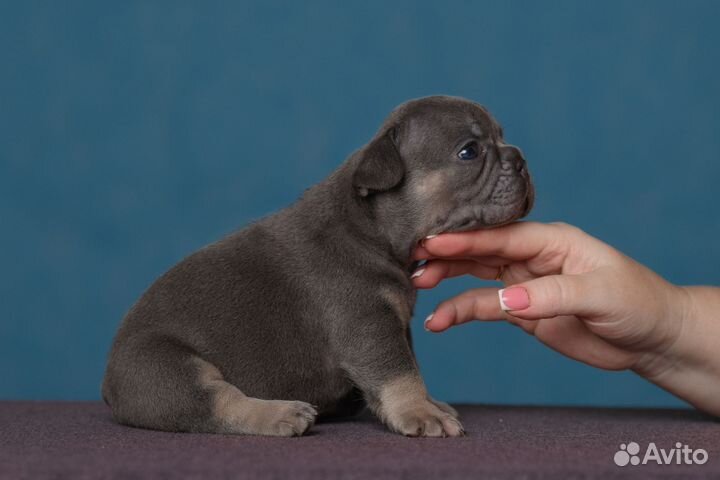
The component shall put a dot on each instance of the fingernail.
(429, 237)
(427, 320)
(514, 298)
(417, 273)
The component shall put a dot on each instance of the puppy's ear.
(380, 167)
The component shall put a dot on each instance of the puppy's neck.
(376, 224)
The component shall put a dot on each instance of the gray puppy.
(308, 311)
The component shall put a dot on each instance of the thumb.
(551, 296)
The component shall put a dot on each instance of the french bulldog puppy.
(307, 311)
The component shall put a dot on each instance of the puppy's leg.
(387, 373)
(441, 405)
(161, 385)
(234, 412)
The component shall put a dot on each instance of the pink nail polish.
(514, 298)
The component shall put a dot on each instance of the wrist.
(689, 366)
(675, 335)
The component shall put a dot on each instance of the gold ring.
(499, 275)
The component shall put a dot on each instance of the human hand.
(575, 293)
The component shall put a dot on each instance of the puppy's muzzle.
(512, 160)
(513, 186)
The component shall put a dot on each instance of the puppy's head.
(441, 164)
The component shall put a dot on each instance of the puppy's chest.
(401, 300)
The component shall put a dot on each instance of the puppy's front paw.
(424, 419)
(446, 408)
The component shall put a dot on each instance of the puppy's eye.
(470, 151)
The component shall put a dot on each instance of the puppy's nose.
(511, 158)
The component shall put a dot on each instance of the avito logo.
(680, 455)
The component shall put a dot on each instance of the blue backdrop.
(132, 133)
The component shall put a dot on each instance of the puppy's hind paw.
(288, 418)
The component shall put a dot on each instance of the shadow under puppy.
(307, 312)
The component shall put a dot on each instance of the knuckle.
(567, 228)
(576, 231)
(477, 307)
(556, 294)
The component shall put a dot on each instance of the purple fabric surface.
(78, 440)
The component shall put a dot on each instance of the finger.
(491, 260)
(435, 271)
(555, 295)
(517, 241)
(477, 304)
(420, 253)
